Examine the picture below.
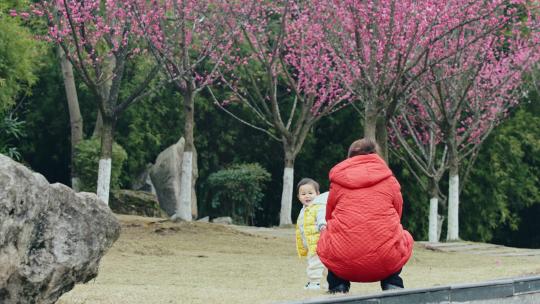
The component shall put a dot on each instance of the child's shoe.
(312, 286)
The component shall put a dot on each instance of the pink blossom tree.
(417, 140)
(190, 40)
(76, 121)
(99, 38)
(389, 44)
(464, 97)
(471, 106)
(280, 69)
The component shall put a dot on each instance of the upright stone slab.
(50, 237)
(166, 174)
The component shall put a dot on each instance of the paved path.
(521, 290)
(479, 248)
(461, 247)
(265, 231)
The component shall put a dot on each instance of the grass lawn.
(163, 262)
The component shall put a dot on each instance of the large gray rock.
(143, 182)
(50, 237)
(166, 174)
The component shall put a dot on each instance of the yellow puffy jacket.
(309, 221)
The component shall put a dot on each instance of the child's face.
(306, 194)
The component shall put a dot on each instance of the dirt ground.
(159, 262)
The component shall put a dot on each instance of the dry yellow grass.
(157, 262)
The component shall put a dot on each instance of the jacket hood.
(321, 199)
(360, 171)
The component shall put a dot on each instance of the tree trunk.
(105, 90)
(106, 131)
(370, 121)
(453, 193)
(183, 211)
(194, 176)
(440, 221)
(98, 125)
(381, 135)
(288, 189)
(105, 163)
(433, 235)
(75, 118)
(375, 128)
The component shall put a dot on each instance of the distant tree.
(190, 39)
(99, 38)
(418, 143)
(75, 117)
(279, 69)
(389, 45)
(469, 94)
(392, 48)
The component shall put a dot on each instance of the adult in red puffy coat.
(364, 240)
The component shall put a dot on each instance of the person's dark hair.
(362, 147)
(307, 181)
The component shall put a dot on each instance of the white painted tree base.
(433, 235)
(453, 209)
(286, 197)
(104, 179)
(183, 211)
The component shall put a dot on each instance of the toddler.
(308, 226)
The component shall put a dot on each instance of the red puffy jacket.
(364, 240)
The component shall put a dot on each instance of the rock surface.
(135, 203)
(50, 237)
(143, 181)
(226, 220)
(166, 175)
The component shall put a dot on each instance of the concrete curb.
(515, 290)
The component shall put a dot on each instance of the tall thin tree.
(75, 117)
(98, 37)
(471, 92)
(281, 72)
(418, 143)
(190, 40)
(389, 44)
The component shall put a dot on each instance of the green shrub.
(87, 163)
(11, 129)
(238, 190)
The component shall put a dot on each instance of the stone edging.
(480, 292)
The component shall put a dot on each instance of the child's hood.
(321, 199)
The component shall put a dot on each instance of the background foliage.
(20, 61)
(500, 202)
(239, 189)
(87, 161)
(504, 191)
